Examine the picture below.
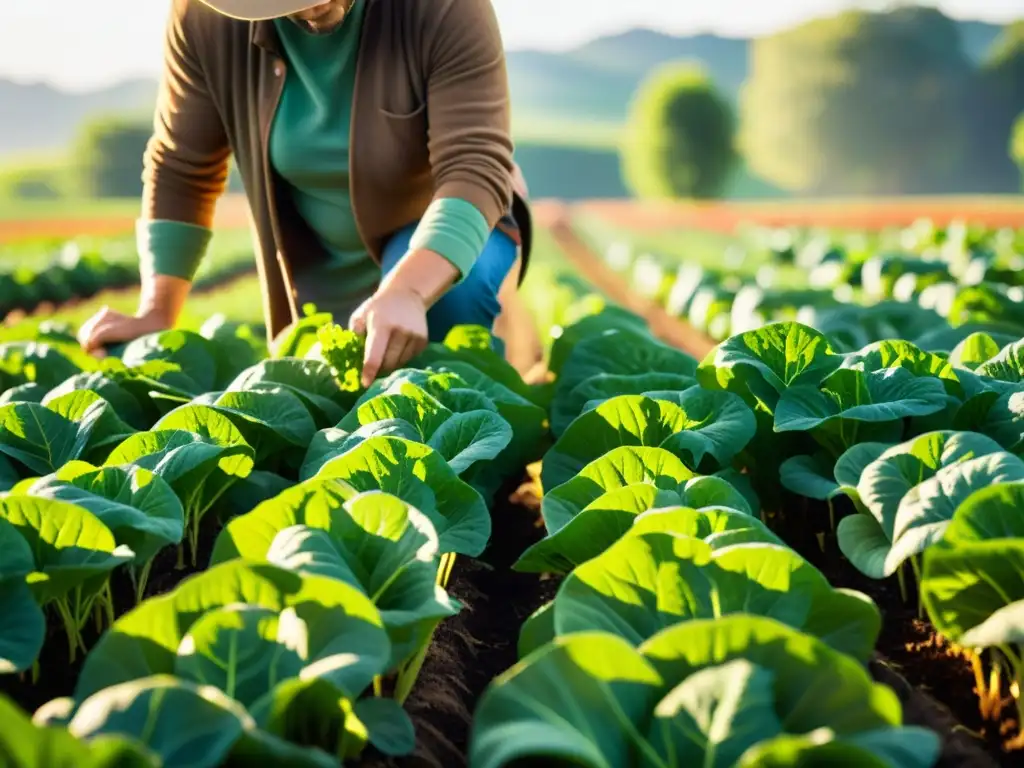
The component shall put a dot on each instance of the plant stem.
(916, 567)
(409, 672)
(140, 585)
(444, 571)
(903, 582)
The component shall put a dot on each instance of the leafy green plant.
(139, 507)
(650, 580)
(695, 425)
(198, 451)
(702, 691)
(73, 554)
(270, 639)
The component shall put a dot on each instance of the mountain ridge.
(591, 83)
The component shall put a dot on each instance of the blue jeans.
(474, 301)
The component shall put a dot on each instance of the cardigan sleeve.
(470, 138)
(185, 166)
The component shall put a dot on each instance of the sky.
(84, 44)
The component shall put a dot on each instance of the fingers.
(106, 327)
(357, 323)
(377, 338)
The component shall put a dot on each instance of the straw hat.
(258, 10)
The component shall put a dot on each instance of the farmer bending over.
(373, 140)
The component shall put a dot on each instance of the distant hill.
(589, 85)
(39, 117)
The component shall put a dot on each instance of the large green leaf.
(701, 423)
(815, 685)
(688, 708)
(138, 506)
(973, 351)
(327, 628)
(8, 475)
(373, 541)
(25, 744)
(72, 550)
(462, 438)
(43, 440)
(533, 712)
(646, 582)
(419, 476)
(42, 364)
(714, 715)
(186, 725)
(619, 467)
(894, 353)
(851, 406)
(994, 512)
(269, 420)
(910, 492)
(194, 448)
(527, 419)
(79, 406)
(1008, 365)
(124, 404)
(604, 386)
(328, 444)
(976, 588)
(761, 365)
(908, 747)
(187, 349)
(620, 351)
(592, 323)
(310, 380)
(605, 521)
(22, 624)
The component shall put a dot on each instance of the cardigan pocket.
(406, 136)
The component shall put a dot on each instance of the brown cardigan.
(430, 119)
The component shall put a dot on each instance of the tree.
(109, 154)
(680, 136)
(998, 101)
(1017, 147)
(859, 103)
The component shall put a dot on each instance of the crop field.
(763, 508)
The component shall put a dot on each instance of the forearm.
(424, 272)
(170, 253)
(163, 297)
(449, 239)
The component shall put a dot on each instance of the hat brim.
(260, 10)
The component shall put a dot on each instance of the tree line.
(861, 103)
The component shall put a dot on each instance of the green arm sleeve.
(454, 228)
(171, 248)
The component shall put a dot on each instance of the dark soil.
(472, 648)
(934, 680)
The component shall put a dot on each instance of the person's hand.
(394, 321)
(109, 326)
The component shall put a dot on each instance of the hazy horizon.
(53, 42)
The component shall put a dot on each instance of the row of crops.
(230, 559)
(35, 273)
(909, 454)
(913, 284)
(215, 557)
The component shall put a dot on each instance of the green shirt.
(309, 144)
